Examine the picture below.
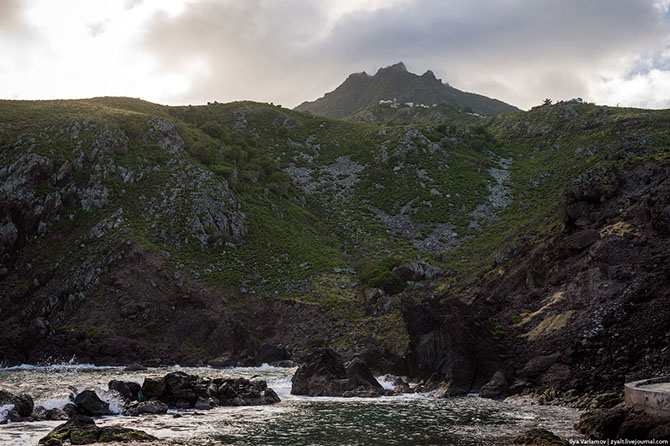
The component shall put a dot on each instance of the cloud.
(518, 50)
(287, 51)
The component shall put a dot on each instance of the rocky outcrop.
(153, 407)
(447, 346)
(623, 422)
(325, 374)
(83, 430)
(540, 437)
(183, 391)
(22, 405)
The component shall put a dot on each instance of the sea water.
(410, 419)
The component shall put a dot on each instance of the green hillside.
(134, 230)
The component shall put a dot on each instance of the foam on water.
(296, 421)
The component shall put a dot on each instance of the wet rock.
(601, 423)
(152, 388)
(358, 372)
(89, 403)
(145, 407)
(134, 368)
(129, 390)
(222, 362)
(324, 374)
(540, 437)
(496, 388)
(23, 403)
(81, 429)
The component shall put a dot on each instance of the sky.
(614, 52)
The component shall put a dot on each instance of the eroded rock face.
(325, 374)
(449, 348)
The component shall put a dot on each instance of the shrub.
(388, 281)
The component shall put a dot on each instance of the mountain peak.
(398, 67)
(429, 75)
(394, 82)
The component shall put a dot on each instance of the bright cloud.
(287, 51)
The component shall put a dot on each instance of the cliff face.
(585, 308)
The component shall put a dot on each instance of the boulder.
(152, 388)
(582, 239)
(88, 403)
(417, 271)
(324, 374)
(81, 429)
(146, 407)
(496, 388)
(538, 365)
(540, 437)
(359, 374)
(128, 390)
(23, 403)
(601, 423)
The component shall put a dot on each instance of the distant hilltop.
(394, 84)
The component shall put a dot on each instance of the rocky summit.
(397, 89)
(521, 253)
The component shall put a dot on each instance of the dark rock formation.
(324, 374)
(23, 403)
(270, 353)
(145, 407)
(496, 388)
(449, 348)
(540, 437)
(128, 390)
(623, 422)
(83, 430)
(89, 403)
(180, 390)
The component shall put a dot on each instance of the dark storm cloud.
(518, 50)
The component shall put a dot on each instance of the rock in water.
(540, 437)
(324, 374)
(129, 390)
(88, 403)
(23, 403)
(81, 429)
(134, 368)
(148, 407)
(496, 388)
(153, 388)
